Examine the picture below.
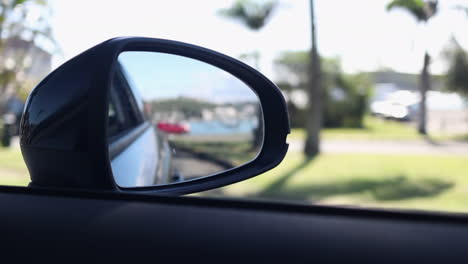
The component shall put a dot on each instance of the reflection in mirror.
(174, 119)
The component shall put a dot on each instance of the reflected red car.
(173, 128)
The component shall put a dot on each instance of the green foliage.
(457, 74)
(254, 14)
(348, 111)
(420, 9)
(296, 64)
(18, 2)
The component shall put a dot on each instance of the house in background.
(38, 61)
(22, 65)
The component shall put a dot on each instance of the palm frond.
(254, 14)
(422, 10)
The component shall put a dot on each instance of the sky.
(152, 73)
(361, 33)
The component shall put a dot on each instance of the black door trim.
(121, 142)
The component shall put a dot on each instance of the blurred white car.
(394, 110)
(401, 105)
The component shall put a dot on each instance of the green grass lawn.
(374, 129)
(398, 181)
(13, 171)
(403, 181)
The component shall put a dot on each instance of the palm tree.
(422, 11)
(254, 15)
(315, 94)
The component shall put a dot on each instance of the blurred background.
(376, 89)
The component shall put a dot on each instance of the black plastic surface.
(64, 126)
(43, 225)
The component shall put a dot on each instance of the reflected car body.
(140, 153)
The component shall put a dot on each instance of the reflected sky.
(163, 76)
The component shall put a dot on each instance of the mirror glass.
(175, 119)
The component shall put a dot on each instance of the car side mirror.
(152, 115)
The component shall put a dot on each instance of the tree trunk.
(315, 94)
(424, 86)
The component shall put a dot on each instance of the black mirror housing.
(64, 126)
